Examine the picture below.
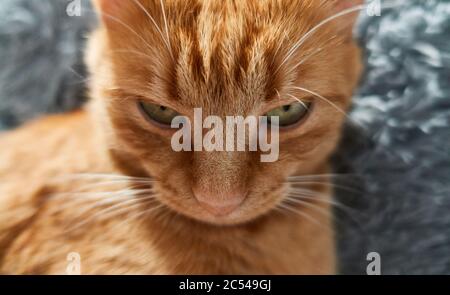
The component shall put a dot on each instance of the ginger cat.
(104, 182)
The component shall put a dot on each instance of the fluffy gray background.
(400, 157)
(40, 58)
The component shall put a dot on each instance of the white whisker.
(136, 184)
(105, 199)
(300, 213)
(146, 212)
(166, 42)
(310, 205)
(314, 196)
(100, 195)
(94, 176)
(322, 199)
(138, 215)
(309, 195)
(326, 176)
(331, 103)
(135, 52)
(166, 25)
(333, 185)
(123, 24)
(113, 210)
(342, 13)
(298, 100)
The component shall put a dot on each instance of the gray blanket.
(397, 156)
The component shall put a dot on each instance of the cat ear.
(341, 5)
(106, 5)
(108, 8)
(120, 12)
(346, 12)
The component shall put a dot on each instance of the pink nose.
(219, 204)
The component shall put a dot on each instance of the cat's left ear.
(346, 12)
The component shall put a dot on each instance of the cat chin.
(239, 217)
(254, 207)
(233, 219)
(226, 221)
(229, 220)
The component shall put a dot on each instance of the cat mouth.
(220, 210)
(219, 206)
(222, 213)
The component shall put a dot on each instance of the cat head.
(152, 60)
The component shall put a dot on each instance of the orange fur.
(227, 57)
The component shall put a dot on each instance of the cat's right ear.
(107, 5)
(348, 11)
(108, 9)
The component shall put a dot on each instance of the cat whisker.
(319, 209)
(76, 199)
(146, 212)
(300, 101)
(278, 94)
(165, 214)
(136, 184)
(340, 14)
(111, 177)
(82, 79)
(102, 196)
(166, 41)
(114, 204)
(166, 25)
(71, 69)
(279, 210)
(314, 196)
(135, 52)
(333, 185)
(304, 215)
(310, 205)
(310, 55)
(305, 37)
(99, 201)
(113, 18)
(105, 216)
(323, 176)
(330, 103)
(322, 199)
(112, 211)
(97, 195)
(280, 44)
(311, 195)
(139, 215)
(309, 192)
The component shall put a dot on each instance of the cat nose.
(219, 204)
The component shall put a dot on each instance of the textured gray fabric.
(399, 158)
(403, 155)
(40, 58)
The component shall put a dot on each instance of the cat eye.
(158, 113)
(290, 114)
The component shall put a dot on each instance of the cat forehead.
(236, 45)
(237, 28)
(209, 48)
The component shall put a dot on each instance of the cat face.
(227, 58)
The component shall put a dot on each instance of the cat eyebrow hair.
(288, 98)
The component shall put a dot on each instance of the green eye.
(158, 113)
(290, 114)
